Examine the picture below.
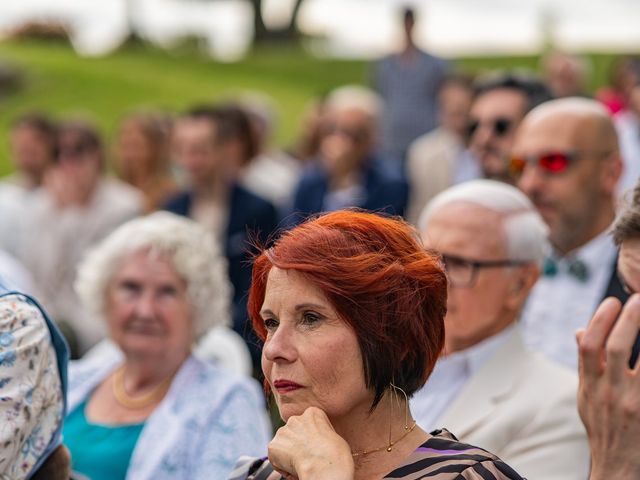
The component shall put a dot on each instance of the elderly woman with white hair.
(155, 411)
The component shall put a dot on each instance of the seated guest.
(76, 208)
(567, 158)
(348, 172)
(500, 102)
(566, 74)
(142, 157)
(440, 158)
(272, 174)
(212, 144)
(609, 394)
(350, 307)
(32, 147)
(487, 388)
(154, 411)
(33, 384)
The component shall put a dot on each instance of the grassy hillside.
(106, 88)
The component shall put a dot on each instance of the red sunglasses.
(550, 162)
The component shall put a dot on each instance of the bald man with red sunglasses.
(566, 159)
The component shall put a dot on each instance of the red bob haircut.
(381, 281)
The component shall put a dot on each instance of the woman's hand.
(609, 392)
(308, 448)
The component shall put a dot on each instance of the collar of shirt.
(594, 254)
(474, 357)
(463, 364)
(449, 378)
(558, 305)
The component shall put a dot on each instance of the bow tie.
(577, 268)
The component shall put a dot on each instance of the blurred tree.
(263, 34)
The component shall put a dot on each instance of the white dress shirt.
(467, 167)
(628, 128)
(560, 304)
(449, 377)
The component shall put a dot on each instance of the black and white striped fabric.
(441, 457)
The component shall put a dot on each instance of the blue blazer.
(385, 190)
(251, 218)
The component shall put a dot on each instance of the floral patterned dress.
(31, 388)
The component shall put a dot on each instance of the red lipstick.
(285, 386)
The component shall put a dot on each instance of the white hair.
(525, 232)
(355, 97)
(191, 249)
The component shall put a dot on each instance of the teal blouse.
(100, 452)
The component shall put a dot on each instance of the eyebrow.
(297, 308)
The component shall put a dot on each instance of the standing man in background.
(408, 82)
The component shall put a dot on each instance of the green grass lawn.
(106, 88)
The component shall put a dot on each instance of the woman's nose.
(145, 305)
(280, 345)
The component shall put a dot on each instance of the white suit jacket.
(430, 162)
(522, 407)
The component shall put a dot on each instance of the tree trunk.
(260, 29)
(263, 34)
(293, 23)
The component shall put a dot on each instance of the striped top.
(441, 457)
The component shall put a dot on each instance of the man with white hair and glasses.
(487, 388)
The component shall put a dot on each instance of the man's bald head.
(588, 120)
(577, 202)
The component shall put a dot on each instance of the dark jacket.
(251, 217)
(385, 191)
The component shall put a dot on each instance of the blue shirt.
(100, 452)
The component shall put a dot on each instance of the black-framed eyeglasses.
(499, 126)
(463, 272)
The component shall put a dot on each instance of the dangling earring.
(395, 388)
(407, 428)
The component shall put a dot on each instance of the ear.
(611, 172)
(524, 278)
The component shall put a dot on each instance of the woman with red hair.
(351, 307)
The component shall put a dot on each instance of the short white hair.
(354, 97)
(191, 249)
(525, 231)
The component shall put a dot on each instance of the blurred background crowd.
(251, 148)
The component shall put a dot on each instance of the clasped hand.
(308, 448)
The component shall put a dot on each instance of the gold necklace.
(140, 401)
(388, 447)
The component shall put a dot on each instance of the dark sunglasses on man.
(499, 126)
(551, 163)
